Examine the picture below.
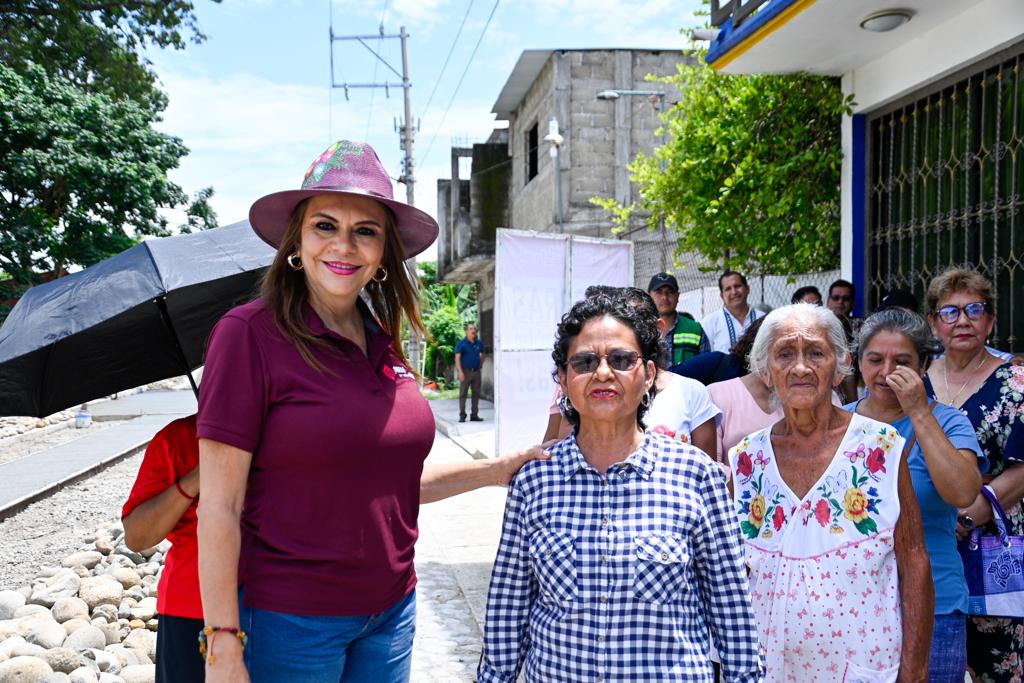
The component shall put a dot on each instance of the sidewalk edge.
(20, 504)
(449, 430)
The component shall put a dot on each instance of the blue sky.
(254, 103)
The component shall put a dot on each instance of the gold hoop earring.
(294, 261)
(377, 277)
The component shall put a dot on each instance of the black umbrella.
(137, 317)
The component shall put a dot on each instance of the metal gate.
(946, 187)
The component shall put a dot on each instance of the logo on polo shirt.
(397, 372)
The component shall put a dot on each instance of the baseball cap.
(663, 280)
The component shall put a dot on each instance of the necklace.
(970, 376)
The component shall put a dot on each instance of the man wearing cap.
(469, 358)
(724, 327)
(684, 336)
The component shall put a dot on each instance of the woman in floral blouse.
(839, 575)
(991, 393)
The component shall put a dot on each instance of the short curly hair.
(954, 280)
(617, 306)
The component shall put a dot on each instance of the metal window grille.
(946, 187)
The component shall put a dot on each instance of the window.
(531, 153)
(946, 179)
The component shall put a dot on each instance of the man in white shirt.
(724, 327)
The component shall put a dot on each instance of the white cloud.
(619, 23)
(249, 136)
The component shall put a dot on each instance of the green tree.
(96, 44)
(446, 311)
(82, 176)
(749, 178)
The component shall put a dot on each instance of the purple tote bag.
(994, 566)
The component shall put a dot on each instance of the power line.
(445, 65)
(369, 113)
(469, 63)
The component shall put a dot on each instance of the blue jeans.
(948, 662)
(290, 648)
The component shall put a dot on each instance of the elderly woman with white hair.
(839, 574)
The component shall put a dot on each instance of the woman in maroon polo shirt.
(313, 434)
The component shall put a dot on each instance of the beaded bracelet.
(206, 639)
(177, 485)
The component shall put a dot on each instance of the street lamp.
(651, 95)
(556, 140)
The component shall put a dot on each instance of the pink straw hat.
(351, 168)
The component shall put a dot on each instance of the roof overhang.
(519, 81)
(823, 36)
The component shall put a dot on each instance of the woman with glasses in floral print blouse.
(990, 392)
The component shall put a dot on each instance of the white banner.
(537, 278)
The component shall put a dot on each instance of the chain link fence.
(652, 253)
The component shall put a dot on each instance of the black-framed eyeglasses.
(620, 360)
(840, 297)
(950, 314)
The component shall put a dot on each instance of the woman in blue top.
(895, 348)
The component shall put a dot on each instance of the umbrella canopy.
(137, 317)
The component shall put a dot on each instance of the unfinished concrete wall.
(601, 136)
(533, 200)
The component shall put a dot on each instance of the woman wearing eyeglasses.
(619, 553)
(991, 393)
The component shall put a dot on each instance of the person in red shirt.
(162, 504)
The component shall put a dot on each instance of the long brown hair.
(284, 291)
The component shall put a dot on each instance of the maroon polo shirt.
(329, 520)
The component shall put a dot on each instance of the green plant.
(98, 47)
(447, 309)
(750, 175)
(83, 176)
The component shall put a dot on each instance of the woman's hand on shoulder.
(510, 463)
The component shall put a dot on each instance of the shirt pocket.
(553, 562)
(659, 567)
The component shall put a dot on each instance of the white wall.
(976, 33)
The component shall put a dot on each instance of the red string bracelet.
(177, 485)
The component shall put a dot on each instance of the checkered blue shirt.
(618, 577)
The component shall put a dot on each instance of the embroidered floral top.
(996, 410)
(823, 578)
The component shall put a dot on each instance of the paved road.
(458, 536)
(30, 478)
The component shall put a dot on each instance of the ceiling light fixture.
(886, 20)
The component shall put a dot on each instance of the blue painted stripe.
(859, 199)
(731, 37)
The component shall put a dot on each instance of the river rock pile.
(91, 620)
(15, 426)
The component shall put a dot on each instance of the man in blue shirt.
(469, 358)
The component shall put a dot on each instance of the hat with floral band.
(351, 168)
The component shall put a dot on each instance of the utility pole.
(406, 131)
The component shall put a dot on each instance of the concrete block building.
(516, 183)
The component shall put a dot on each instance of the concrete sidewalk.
(33, 477)
(476, 438)
(454, 555)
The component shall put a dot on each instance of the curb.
(449, 429)
(21, 503)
